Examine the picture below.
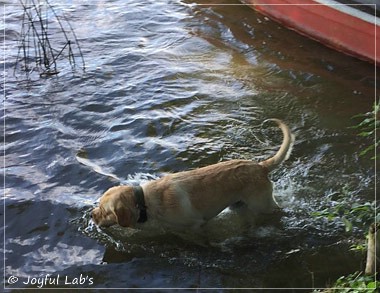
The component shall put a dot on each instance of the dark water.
(170, 86)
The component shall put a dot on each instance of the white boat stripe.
(345, 8)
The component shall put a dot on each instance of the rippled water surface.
(170, 86)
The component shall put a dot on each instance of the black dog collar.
(140, 203)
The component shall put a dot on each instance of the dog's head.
(116, 207)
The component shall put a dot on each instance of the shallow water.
(169, 86)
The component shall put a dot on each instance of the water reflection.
(170, 87)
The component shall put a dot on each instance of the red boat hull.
(338, 26)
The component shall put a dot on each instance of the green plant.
(345, 207)
(356, 282)
(368, 128)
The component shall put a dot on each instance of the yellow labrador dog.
(189, 199)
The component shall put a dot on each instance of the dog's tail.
(285, 149)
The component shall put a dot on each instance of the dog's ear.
(123, 216)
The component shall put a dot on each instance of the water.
(170, 86)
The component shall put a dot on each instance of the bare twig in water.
(43, 46)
